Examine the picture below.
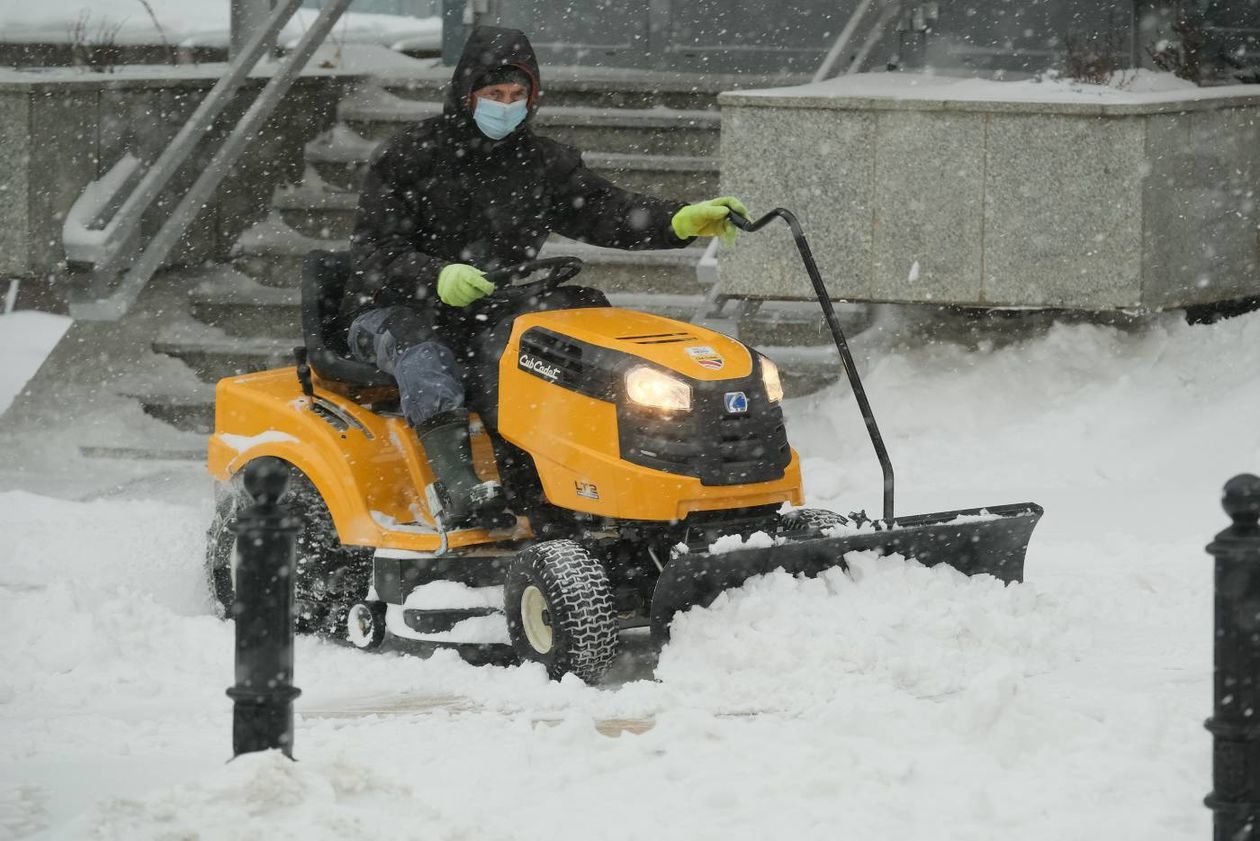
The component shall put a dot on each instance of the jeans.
(402, 342)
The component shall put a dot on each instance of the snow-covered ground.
(1126, 87)
(191, 23)
(26, 338)
(894, 702)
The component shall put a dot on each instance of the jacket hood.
(489, 48)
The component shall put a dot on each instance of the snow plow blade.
(976, 541)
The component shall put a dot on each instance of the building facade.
(753, 36)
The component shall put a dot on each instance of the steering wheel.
(560, 270)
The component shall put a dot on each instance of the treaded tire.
(221, 544)
(581, 622)
(330, 576)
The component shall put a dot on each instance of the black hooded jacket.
(440, 192)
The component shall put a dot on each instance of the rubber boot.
(469, 500)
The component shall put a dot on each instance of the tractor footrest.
(441, 621)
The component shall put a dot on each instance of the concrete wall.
(61, 129)
(1031, 204)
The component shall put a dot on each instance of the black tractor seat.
(324, 277)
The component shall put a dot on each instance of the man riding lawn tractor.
(613, 449)
(468, 192)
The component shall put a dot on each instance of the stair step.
(658, 281)
(804, 370)
(376, 114)
(342, 164)
(212, 353)
(567, 95)
(272, 254)
(602, 87)
(613, 270)
(184, 410)
(317, 210)
(212, 358)
(216, 355)
(142, 453)
(241, 306)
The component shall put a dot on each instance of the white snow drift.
(891, 702)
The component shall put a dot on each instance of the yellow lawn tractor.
(627, 445)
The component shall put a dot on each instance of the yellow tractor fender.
(258, 419)
(337, 488)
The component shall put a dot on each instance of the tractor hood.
(670, 396)
(694, 352)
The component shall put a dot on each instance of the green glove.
(459, 285)
(708, 219)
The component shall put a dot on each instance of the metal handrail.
(842, 41)
(112, 302)
(891, 11)
(888, 11)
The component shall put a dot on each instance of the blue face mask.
(497, 120)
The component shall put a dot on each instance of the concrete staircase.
(642, 136)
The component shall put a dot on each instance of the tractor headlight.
(650, 387)
(770, 376)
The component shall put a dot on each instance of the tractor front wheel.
(560, 610)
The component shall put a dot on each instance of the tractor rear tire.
(330, 576)
(560, 612)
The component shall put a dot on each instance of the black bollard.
(262, 716)
(1235, 721)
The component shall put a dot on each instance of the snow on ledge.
(195, 23)
(1135, 88)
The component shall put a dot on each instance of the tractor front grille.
(716, 446)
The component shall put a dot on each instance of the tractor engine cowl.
(732, 435)
(726, 432)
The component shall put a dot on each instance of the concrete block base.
(1134, 202)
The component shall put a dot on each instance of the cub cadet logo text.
(542, 369)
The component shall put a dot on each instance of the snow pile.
(734, 543)
(272, 797)
(194, 23)
(1125, 88)
(891, 701)
(886, 627)
(26, 339)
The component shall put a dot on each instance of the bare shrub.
(1094, 58)
(1241, 72)
(1183, 54)
(97, 51)
(171, 55)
